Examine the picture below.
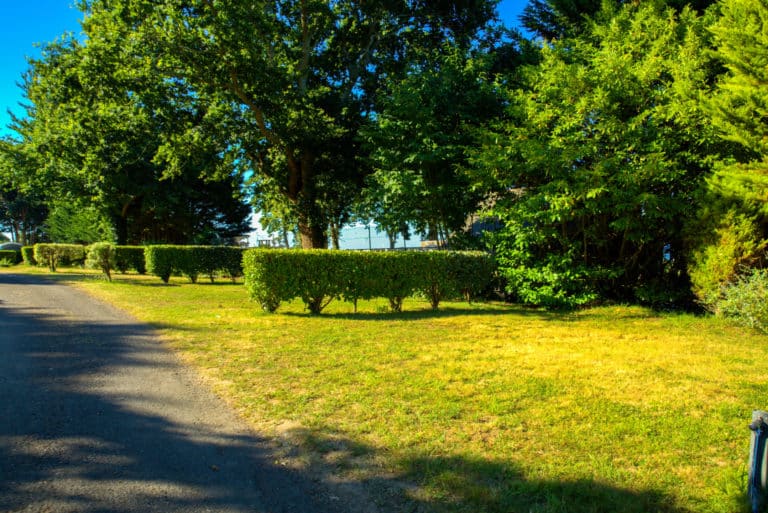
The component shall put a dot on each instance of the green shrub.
(101, 255)
(192, 261)
(12, 256)
(130, 257)
(160, 261)
(734, 246)
(28, 254)
(453, 274)
(397, 276)
(187, 261)
(746, 300)
(230, 260)
(54, 255)
(319, 276)
(268, 277)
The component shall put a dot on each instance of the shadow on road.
(76, 436)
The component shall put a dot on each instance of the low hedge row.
(130, 258)
(164, 261)
(54, 255)
(28, 255)
(10, 255)
(319, 276)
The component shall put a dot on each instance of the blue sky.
(29, 23)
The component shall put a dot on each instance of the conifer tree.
(740, 108)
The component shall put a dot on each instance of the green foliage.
(225, 259)
(727, 249)
(318, 277)
(130, 257)
(12, 256)
(598, 164)
(22, 195)
(101, 255)
(28, 254)
(419, 145)
(161, 261)
(54, 255)
(76, 224)
(99, 115)
(164, 261)
(733, 227)
(266, 278)
(285, 87)
(746, 300)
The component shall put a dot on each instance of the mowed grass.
(483, 407)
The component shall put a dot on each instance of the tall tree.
(420, 143)
(23, 208)
(100, 122)
(294, 80)
(739, 109)
(559, 19)
(599, 162)
(731, 234)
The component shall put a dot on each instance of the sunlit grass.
(487, 407)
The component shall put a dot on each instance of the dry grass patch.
(482, 408)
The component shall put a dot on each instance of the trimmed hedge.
(28, 254)
(164, 261)
(130, 257)
(54, 255)
(319, 276)
(11, 255)
(101, 255)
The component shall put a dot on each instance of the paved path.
(95, 416)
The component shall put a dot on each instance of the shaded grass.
(481, 408)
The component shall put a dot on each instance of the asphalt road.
(96, 416)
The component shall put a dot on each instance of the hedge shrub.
(101, 255)
(54, 255)
(161, 261)
(28, 254)
(192, 261)
(746, 300)
(735, 246)
(11, 256)
(130, 257)
(319, 276)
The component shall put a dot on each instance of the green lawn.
(481, 408)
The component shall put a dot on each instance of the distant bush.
(11, 256)
(192, 261)
(28, 255)
(130, 257)
(55, 255)
(319, 276)
(101, 255)
(746, 300)
(214, 260)
(161, 261)
(453, 274)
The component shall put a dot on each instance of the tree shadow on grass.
(454, 484)
(479, 309)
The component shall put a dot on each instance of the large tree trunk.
(313, 225)
(312, 235)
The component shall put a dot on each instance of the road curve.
(96, 416)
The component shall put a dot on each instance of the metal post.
(369, 236)
(758, 461)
